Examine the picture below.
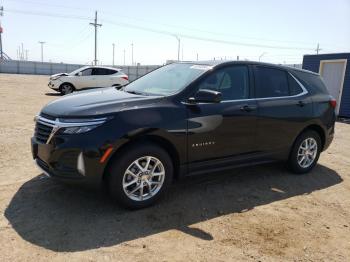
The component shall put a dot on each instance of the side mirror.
(205, 96)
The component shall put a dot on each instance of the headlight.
(78, 129)
(78, 126)
(54, 77)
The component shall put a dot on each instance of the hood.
(96, 102)
(58, 75)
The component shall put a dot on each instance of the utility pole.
(197, 56)
(113, 54)
(95, 24)
(124, 56)
(26, 54)
(1, 51)
(178, 47)
(238, 58)
(42, 50)
(132, 54)
(318, 49)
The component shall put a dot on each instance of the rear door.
(101, 77)
(283, 108)
(218, 130)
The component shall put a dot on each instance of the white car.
(88, 77)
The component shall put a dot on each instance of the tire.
(123, 171)
(66, 88)
(307, 145)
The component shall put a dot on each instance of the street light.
(42, 50)
(178, 47)
(113, 54)
(264, 53)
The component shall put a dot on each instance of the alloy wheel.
(143, 178)
(307, 152)
(67, 89)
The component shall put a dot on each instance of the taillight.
(125, 77)
(333, 103)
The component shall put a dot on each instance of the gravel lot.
(259, 213)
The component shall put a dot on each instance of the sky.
(273, 30)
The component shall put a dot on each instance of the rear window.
(270, 82)
(311, 81)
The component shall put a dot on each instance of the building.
(335, 70)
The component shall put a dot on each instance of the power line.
(204, 38)
(168, 25)
(165, 32)
(47, 14)
(164, 24)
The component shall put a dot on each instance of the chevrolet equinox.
(184, 119)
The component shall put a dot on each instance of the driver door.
(228, 128)
(84, 80)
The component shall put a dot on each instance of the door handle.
(247, 108)
(300, 103)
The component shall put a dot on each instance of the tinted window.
(312, 82)
(232, 82)
(294, 87)
(110, 71)
(86, 72)
(103, 71)
(270, 82)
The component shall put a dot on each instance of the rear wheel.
(140, 175)
(66, 88)
(305, 152)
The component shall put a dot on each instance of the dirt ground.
(259, 213)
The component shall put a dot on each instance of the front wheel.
(66, 89)
(305, 152)
(140, 175)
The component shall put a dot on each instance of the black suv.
(184, 119)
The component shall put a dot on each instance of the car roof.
(216, 63)
(104, 67)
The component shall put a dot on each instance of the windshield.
(167, 80)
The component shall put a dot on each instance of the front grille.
(42, 132)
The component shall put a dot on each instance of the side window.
(110, 71)
(87, 72)
(232, 82)
(270, 82)
(98, 71)
(294, 87)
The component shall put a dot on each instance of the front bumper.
(69, 162)
(53, 86)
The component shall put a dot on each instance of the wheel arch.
(153, 139)
(318, 129)
(64, 83)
